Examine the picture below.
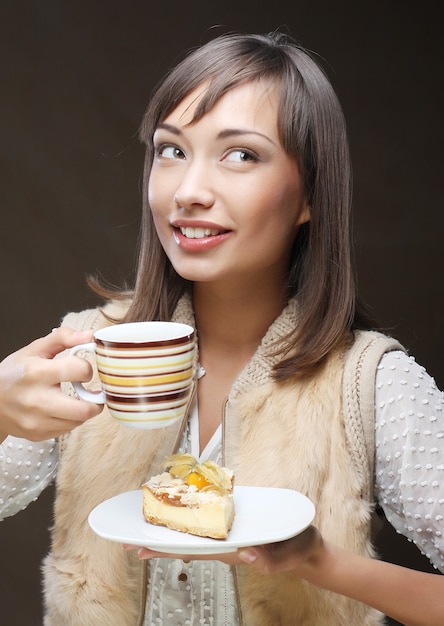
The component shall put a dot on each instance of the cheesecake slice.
(191, 497)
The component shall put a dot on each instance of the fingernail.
(249, 556)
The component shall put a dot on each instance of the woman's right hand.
(32, 404)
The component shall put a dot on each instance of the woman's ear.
(304, 215)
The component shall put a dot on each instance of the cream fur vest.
(315, 437)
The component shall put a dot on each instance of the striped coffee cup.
(146, 370)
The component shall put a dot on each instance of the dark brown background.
(75, 76)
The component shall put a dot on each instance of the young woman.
(245, 235)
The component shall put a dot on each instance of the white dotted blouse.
(409, 469)
(26, 468)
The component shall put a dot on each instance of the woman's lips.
(199, 238)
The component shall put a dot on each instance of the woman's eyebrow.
(228, 132)
(233, 132)
(169, 127)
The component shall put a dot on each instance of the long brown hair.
(312, 130)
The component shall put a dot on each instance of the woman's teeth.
(198, 233)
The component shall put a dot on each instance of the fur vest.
(313, 436)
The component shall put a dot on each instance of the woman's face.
(226, 198)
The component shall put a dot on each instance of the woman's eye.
(169, 152)
(240, 156)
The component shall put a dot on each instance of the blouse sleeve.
(26, 468)
(409, 461)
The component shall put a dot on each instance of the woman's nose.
(195, 188)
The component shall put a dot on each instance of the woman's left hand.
(230, 558)
(290, 555)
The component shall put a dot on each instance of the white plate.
(262, 515)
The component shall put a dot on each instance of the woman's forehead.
(246, 99)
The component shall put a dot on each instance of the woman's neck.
(232, 323)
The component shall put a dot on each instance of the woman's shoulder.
(93, 319)
(365, 352)
(376, 339)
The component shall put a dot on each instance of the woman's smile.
(199, 236)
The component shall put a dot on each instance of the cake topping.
(206, 476)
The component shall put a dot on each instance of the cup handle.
(98, 397)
